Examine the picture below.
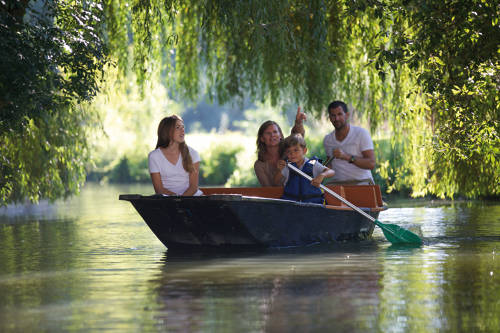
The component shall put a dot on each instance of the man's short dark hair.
(336, 104)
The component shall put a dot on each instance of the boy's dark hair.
(336, 104)
(290, 141)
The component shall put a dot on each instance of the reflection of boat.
(256, 217)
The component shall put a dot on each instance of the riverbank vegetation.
(426, 72)
(227, 148)
(227, 160)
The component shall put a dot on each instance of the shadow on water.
(315, 248)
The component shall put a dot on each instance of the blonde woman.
(268, 141)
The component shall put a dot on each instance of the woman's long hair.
(166, 132)
(261, 147)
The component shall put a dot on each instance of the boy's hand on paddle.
(300, 116)
(317, 180)
(281, 164)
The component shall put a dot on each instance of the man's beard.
(340, 126)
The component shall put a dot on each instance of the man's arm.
(367, 161)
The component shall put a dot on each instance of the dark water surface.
(91, 264)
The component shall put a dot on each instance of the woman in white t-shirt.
(173, 165)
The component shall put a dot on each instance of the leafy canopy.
(52, 58)
(428, 68)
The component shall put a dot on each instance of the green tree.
(218, 165)
(452, 49)
(430, 68)
(51, 58)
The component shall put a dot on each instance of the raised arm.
(298, 127)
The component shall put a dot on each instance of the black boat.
(256, 217)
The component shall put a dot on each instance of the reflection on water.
(273, 291)
(91, 264)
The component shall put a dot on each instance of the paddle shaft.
(394, 234)
(303, 174)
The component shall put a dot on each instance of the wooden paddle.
(394, 233)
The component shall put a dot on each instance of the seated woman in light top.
(173, 165)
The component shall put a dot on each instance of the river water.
(91, 263)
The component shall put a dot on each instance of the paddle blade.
(397, 235)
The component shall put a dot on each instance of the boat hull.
(236, 221)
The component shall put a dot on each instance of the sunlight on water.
(91, 263)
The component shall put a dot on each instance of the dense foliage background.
(52, 57)
(426, 72)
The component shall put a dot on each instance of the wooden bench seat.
(368, 196)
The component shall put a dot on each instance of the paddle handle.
(303, 174)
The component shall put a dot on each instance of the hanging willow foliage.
(52, 57)
(430, 68)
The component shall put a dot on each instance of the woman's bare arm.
(193, 180)
(158, 185)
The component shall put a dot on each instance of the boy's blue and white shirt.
(317, 169)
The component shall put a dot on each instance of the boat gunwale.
(239, 197)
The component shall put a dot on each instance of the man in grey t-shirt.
(351, 148)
